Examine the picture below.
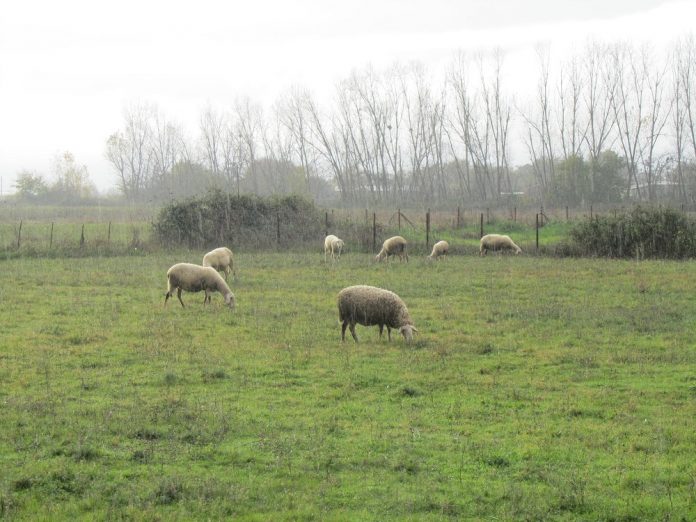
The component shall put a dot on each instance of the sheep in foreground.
(441, 248)
(368, 306)
(393, 246)
(497, 242)
(194, 278)
(334, 246)
(221, 260)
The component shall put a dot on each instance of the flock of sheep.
(360, 304)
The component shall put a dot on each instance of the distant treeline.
(614, 123)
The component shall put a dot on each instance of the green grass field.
(538, 389)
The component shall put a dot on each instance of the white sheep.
(369, 305)
(194, 278)
(393, 246)
(441, 248)
(334, 246)
(221, 259)
(497, 242)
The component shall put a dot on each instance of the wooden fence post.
(374, 231)
(278, 229)
(427, 230)
(108, 235)
(481, 234)
(537, 232)
(566, 213)
(326, 223)
(50, 241)
(398, 218)
(82, 236)
(19, 235)
(458, 218)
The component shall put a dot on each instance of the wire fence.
(362, 229)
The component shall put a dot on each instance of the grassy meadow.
(538, 389)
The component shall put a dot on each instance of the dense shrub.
(644, 232)
(219, 218)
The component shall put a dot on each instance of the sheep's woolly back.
(497, 242)
(441, 248)
(328, 240)
(221, 259)
(333, 245)
(393, 246)
(369, 305)
(196, 278)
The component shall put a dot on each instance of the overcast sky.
(69, 67)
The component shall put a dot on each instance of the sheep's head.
(518, 250)
(407, 331)
(230, 300)
(382, 254)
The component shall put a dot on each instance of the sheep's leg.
(389, 333)
(167, 296)
(352, 331)
(178, 294)
(343, 330)
(381, 328)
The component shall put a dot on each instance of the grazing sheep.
(221, 260)
(441, 248)
(369, 305)
(194, 278)
(393, 246)
(497, 242)
(334, 246)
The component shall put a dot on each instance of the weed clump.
(169, 491)
(645, 232)
(221, 218)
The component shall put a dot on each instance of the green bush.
(219, 218)
(645, 232)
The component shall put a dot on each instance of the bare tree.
(627, 97)
(232, 155)
(539, 138)
(498, 116)
(420, 110)
(167, 148)
(295, 116)
(251, 124)
(659, 108)
(599, 75)
(684, 82)
(212, 127)
(462, 125)
(129, 150)
(330, 141)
